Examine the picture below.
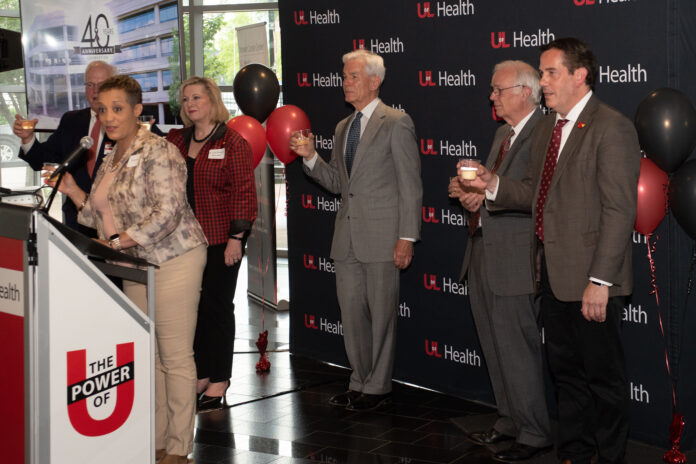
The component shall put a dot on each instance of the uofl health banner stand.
(75, 353)
(439, 55)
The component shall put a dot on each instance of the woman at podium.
(138, 206)
(221, 191)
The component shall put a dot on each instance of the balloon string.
(653, 279)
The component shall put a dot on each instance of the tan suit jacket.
(381, 200)
(591, 204)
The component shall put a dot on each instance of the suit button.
(350, 195)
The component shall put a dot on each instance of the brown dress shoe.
(159, 454)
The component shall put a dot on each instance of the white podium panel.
(99, 366)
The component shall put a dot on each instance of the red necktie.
(504, 148)
(547, 175)
(92, 153)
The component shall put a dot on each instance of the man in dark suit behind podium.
(72, 127)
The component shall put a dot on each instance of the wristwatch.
(115, 242)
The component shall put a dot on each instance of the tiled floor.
(283, 417)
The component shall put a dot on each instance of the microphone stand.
(47, 206)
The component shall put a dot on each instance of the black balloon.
(682, 197)
(256, 91)
(666, 125)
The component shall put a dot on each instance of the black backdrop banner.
(439, 56)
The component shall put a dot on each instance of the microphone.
(86, 143)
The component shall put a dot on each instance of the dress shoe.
(519, 452)
(489, 437)
(344, 399)
(174, 459)
(212, 403)
(159, 454)
(367, 402)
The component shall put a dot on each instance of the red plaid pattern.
(224, 189)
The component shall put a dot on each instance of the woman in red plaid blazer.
(222, 193)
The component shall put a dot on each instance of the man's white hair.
(374, 64)
(525, 75)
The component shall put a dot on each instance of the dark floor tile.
(387, 421)
(481, 455)
(436, 440)
(343, 456)
(287, 460)
(250, 457)
(440, 427)
(422, 453)
(336, 440)
(205, 454)
(401, 435)
(363, 430)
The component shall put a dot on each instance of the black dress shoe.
(367, 402)
(344, 399)
(212, 403)
(489, 437)
(519, 452)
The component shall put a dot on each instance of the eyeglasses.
(497, 90)
(92, 85)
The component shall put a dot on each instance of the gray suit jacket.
(381, 201)
(506, 233)
(591, 204)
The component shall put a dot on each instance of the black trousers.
(589, 370)
(213, 344)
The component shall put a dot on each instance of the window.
(136, 21)
(14, 173)
(147, 81)
(166, 79)
(168, 13)
(167, 46)
(139, 51)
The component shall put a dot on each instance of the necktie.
(547, 175)
(352, 141)
(504, 148)
(92, 153)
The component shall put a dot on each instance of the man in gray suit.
(581, 188)
(376, 169)
(501, 276)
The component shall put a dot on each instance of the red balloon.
(252, 131)
(652, 197)
(280, 124)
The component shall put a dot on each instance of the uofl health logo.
(310, 321)
(105, 374)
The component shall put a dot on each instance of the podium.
(76, 355)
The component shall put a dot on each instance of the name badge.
(108, 148)
(133, 161)
(217, 154)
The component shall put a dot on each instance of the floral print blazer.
(148, 200)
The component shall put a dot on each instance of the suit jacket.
(591, 203)
(381, 200)
(506, 233)
(224, 192)
(72, 127)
